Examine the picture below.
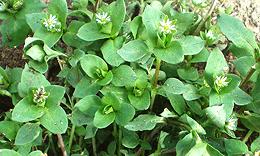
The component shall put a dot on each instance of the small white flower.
(2, 6)
(102, 18)
(221, 81)
(232, 123)
(40, 95)
(52, 24)
(166, 26)
(210, 35)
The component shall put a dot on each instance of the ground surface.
(246, 10)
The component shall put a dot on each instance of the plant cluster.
(136, 78)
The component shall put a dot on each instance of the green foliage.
(114, 81)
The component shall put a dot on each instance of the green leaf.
(201, 57)
(118, 16)
(49, 38)
(27, 133)
(185, 144)
(7, 152)
(36, 53)
(124, 76)
(90, 63)
(89, 104)
(184, 21)
(133, 50)
(90, 32)
(60, 9)
(31, 79)
(232, 85)
(14, 28)
(255, 146)
(191, 93)
(9, 129)
(144, 122)
(217, 115)
(192, 123)
(135, 24)
(79, 119)
(125, 114)
(130, 139)
(244, 64)
(177, 102)
(215, 66)
(151, 18)
(173, 54)
(191, 45)
(36, 153)
(85, 88)
(140, 102)
(204, 149)
(56, 95)
(71, 38)
(174, 86)
(34, 20)
(235, 31)
(190, 73)
(103, 120)
(109, 50)
(241, 97)
(235, 147)
(26, 110)
(55, 120)
(251, 121)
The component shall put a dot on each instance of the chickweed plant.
(131, 78)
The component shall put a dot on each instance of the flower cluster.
(102, 18)
(40, 95)
(166, 26)
(52, 24)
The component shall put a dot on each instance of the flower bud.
(2, 6)
(17, 4)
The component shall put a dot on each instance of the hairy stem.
(155, 82)
(71, 136)
(248, 76)
(157, 72)
(205, 18)
(94, 148)
(247, 135)
(61, 144)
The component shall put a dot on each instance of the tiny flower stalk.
(104, 21)
(52, 24)
(40, 96)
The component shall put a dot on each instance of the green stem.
(205, 18)
(71, 136)
(157, 72)
(247, 135)
(248, 76)
(94, 146)
(119, 141)
(155, 82)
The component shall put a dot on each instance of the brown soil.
(11, 57)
